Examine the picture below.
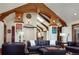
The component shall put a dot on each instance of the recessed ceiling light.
(75, 14)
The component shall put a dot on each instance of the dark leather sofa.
(59, 43)
(13, 49)
(73, 47)
(38, 44)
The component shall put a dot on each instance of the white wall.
(66, 34)
(1, 33)
(47, 35)
(9, 21)
(30, 33)
(51, 35)
(33, 19)
(68, 29)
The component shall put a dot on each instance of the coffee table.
(52, 51)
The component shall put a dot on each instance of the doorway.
(75, 32)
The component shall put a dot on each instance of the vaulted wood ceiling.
(34, 7)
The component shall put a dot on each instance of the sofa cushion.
(59, 43)
(32, 42)
(52, 42)
(42, 42)
(71, 43)
(33, 48)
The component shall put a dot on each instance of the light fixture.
(75, 14)
(53, 21)
(19, 17)
(62, 34)
(40, 18)
(59, 24)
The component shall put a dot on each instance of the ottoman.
(52, 51)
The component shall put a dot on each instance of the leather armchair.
(13, 49)
(73, 47)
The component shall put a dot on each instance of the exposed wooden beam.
(40, 27)
(33, 7)
(43, 25)
(44, 18)
(50, 13)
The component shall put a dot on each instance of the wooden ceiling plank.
(40, 27)
(33, 7)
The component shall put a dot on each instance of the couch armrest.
(71, 43)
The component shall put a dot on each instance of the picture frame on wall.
(54, 30)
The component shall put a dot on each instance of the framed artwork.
(18, 33)
(54, 30)
(18, 26)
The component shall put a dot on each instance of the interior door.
(13, 34)
(4, 33)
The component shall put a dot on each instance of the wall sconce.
(62, 34)
(19, 17)
(54, 21)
